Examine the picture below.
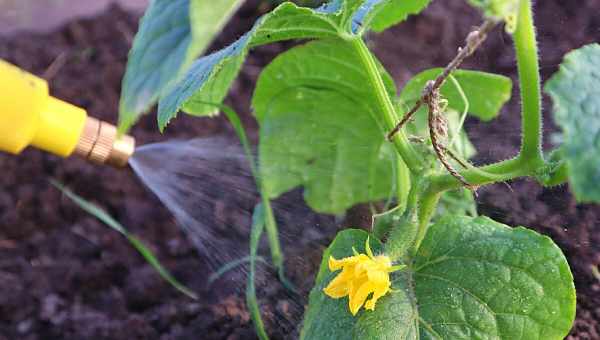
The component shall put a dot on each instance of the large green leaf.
(476, 278)
(472, 278)
(318, 128)
(328, 318)
(575, 92)
(486, 93)
(172, 34)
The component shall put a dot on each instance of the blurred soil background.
(64, 275)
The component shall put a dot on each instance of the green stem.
(427, 206)
(529, 80)
(403, 184)
(410, 157)
(273, 237)
(493, 173)
(272, 233)
(402, 237)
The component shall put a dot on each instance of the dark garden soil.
(63, 275)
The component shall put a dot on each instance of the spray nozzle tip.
(100, 143)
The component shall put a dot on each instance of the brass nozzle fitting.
(99, 144)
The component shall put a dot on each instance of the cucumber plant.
(332, 121)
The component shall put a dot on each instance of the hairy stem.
(493, 173)
(403, 235)
(410, 157)
(402, 184)
(529, 80)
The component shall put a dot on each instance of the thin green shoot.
(463, 116)
(258, 225)
(146, 253)
(232, 265)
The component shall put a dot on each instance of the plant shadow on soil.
(63, 275)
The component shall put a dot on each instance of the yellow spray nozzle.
(30, 116)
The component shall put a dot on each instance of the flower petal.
(364, 263)
(378, 276)
(338, 264)
(339, 286)
(336, 291)
(379, 292)
(359, 296)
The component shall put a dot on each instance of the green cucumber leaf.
(476, 278)
(472, 278)
(328, 318)
(395, 315)
(318, 128)
(486, 92)
(575, 92)
(172, 34)
(378, 15)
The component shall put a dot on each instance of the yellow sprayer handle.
(30, 116)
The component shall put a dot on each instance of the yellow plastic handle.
(30, 116)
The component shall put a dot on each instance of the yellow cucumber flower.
(361, 276)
